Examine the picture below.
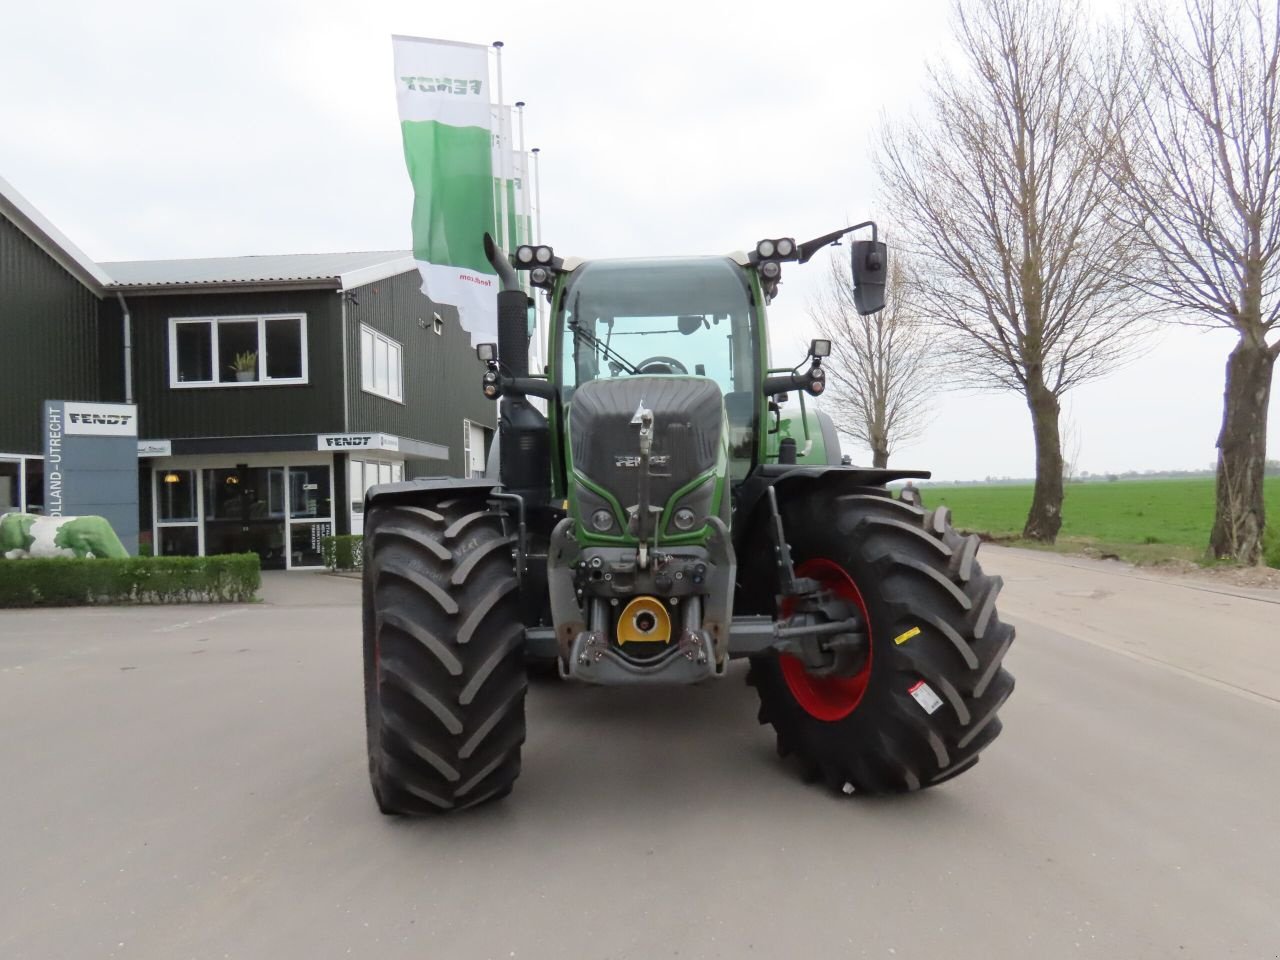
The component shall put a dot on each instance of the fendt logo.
(347, 441)
(632, 460)
(101, 419)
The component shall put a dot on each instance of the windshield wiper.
(596, 343)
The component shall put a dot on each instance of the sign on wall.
(91, 464)
(357, 441)
(155, 448)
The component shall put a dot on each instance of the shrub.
(344, 552)
(66, 581)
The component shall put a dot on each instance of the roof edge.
(51, 240)
(223, 286)
(375, 272)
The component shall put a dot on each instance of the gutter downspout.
(346, 391)
(126, 321)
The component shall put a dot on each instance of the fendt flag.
(442, 90)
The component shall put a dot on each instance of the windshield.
(693, 316)
(627, 317)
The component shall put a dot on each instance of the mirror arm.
(496, 384)
(810, 247)
(813, 381)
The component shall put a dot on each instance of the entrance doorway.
(281, 513)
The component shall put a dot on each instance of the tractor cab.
(670, 317)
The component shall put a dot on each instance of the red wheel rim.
(827, 698)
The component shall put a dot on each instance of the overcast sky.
(159, 130)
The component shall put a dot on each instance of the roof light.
(785, 247)
(771, 269)
(766, 249)
(543, 254)
(524, 254)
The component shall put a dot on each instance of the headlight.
(786, 247)
(765, 248)
(602, 521)
(684, 518)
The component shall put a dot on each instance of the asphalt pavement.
(189, 782)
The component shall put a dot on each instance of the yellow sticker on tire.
(904, 637)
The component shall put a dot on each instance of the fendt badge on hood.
(632, 460)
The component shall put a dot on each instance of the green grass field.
(1141, 520)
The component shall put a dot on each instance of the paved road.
(189, 782)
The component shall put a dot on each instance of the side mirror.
(870, 267)
(690, 324)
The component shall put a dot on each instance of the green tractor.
(661, 519)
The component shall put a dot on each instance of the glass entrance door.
(310, 514)
(244, 512)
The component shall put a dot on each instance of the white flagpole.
(521, 229)
(544, 323)
(503, 154)
(537, 196)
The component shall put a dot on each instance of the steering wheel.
(671, 363)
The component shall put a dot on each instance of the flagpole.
(503, 151)
(537, 196)
(543, 323)
(521, 232)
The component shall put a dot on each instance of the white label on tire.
(925, 696)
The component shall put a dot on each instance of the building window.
(381, 365)
(437, 325)
(474, 437)
(237, 351)
(10, 485)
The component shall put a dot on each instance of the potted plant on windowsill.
(245, 366)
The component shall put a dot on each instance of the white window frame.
(390, 343)
(263, 380)
(466, 448)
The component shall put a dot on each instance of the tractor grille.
(687, 417)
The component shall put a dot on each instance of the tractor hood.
(679, 480)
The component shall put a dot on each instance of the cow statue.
(30, 535)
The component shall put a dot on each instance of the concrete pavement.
(189, 782)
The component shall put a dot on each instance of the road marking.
(1223, 685)
(187, 624)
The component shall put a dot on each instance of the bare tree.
(1001, 192)
(880, 372)
(1202, 183)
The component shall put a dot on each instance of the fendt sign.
(93, 422)
(357, 441)
(91, 464)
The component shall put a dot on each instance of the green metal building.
(271, 390)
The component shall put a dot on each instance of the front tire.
(925, 703)
(444, 660)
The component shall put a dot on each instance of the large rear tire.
(925, 703)
(444, 680)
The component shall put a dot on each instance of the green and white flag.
(442, 91)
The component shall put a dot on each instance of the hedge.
(69, 582)
(345, 552)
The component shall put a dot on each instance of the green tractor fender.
(792, 481)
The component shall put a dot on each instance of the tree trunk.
(1045, 519)
(1242, 453)
(879, 457)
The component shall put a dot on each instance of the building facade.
(271, 392)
